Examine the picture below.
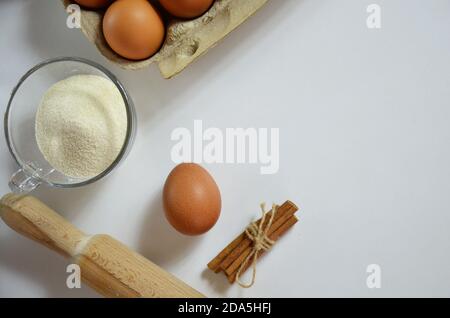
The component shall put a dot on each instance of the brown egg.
(191, 199)
(94, 4)
(186, 8)
(133, 29)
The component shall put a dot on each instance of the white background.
(364, 121)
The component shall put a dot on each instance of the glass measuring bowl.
(19, 123)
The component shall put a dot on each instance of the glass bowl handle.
(26, 179)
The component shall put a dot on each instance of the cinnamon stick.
(215, 263)
(284, 212)
(270, 233)
(274, 236)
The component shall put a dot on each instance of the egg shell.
(133, 29)
(186, 9)
(94, 4)
(191, 199)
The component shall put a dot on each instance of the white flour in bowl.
(81, 124)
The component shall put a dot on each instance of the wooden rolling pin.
(106, 265)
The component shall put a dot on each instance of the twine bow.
(261, 242)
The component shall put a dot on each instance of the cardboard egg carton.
(185, 40)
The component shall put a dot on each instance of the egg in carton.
(185, 41)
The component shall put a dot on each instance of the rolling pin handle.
(107, 265)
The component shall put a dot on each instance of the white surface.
(364, 118)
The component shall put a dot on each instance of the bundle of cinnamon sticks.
(231, 258)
